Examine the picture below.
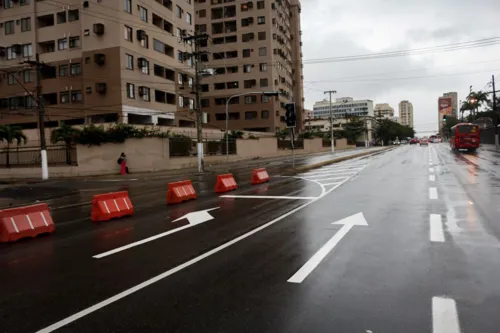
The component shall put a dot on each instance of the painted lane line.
(436, 228)
(433, 193)
(340, 174)
(445, 315)
(330, 178)
(316, 259)
(432, 178)
(174, 270)
(430, 163)
(266, 197)
(330, 184)
(431, 169)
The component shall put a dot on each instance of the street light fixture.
(265, 93)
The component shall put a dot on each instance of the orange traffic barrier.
(225, 183)
(180, 191)
(111, 206)
(28, 221)
(259, 176)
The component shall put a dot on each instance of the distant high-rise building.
(384, 110)
(406, 113)
(454, 102)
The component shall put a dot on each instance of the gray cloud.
(333, 28)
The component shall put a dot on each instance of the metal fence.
(287, 144)
(30, 156)
(188, 147)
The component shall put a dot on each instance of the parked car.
(403, 142)
(424, 142)
(414, 141)
(396, 143)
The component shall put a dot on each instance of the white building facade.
(342, 107)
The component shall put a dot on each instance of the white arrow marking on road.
(444, 315)
(194, 218)
(197, 217)
(347, 224)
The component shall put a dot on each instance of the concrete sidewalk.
(78, 191)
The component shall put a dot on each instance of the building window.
(181, 101)
(26, 24)
(145, 42)
(73, 15)
(64, 97)
(264, 114)
(27, 76)
(9, 27)
(129, 61)
(261, 20)
(263, 67)
(262, 51)
(205, 103)
(246, 53)
(11, 54)
(75, 69)
(261, 4)
(63, 70)
(202, 13)
(180, 56)
(8, 4)
(27, 50)
(178, 11)
(262, 35)
(24, 2)
(130, 90)
(249, 115)
(264, 98)
(145, 67)
(62, 44)
(76, 96)
(74, 42)
(61, 17)
(127, 6)
(145, 93)
(128, 33)
(247, 68)
(10, 79)
(250, 99)
(188, 19)
(263, 83)
(143, 14)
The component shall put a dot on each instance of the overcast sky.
(334, 28)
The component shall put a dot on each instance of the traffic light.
(290, 115)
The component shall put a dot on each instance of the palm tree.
(10, 134)
(66, 134)
(477, 99)
(466, 106)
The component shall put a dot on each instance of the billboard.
(445, 107)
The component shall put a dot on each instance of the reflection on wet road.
(405, 241)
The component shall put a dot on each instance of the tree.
(388, 130)
(477, 99)
(10, 134)
(66, 134)
(466, 106)
(450, 122)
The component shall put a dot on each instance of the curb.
(340, 159)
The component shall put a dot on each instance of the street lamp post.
(265, 93)
(332, 140)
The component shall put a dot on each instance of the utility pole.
(495, 112)
(332, 140)
(41, 114)
(199, 120)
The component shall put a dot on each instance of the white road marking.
(436, 228)
(329, 184)
(266, 197)
(433, 193)
(431, 169)
(329, 174)
(432, 178)
(430, 163)
(329, 178)
(311, 264)
(174, 270)
(444, 315)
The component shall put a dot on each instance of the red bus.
(464, 136)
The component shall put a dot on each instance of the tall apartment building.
(254, 46)
(104, 61)
(406, 113)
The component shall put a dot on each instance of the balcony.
(45, 21)
(47, 47)
(230, 26)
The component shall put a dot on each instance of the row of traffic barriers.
(31, 221)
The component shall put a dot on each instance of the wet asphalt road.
(428, 259)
